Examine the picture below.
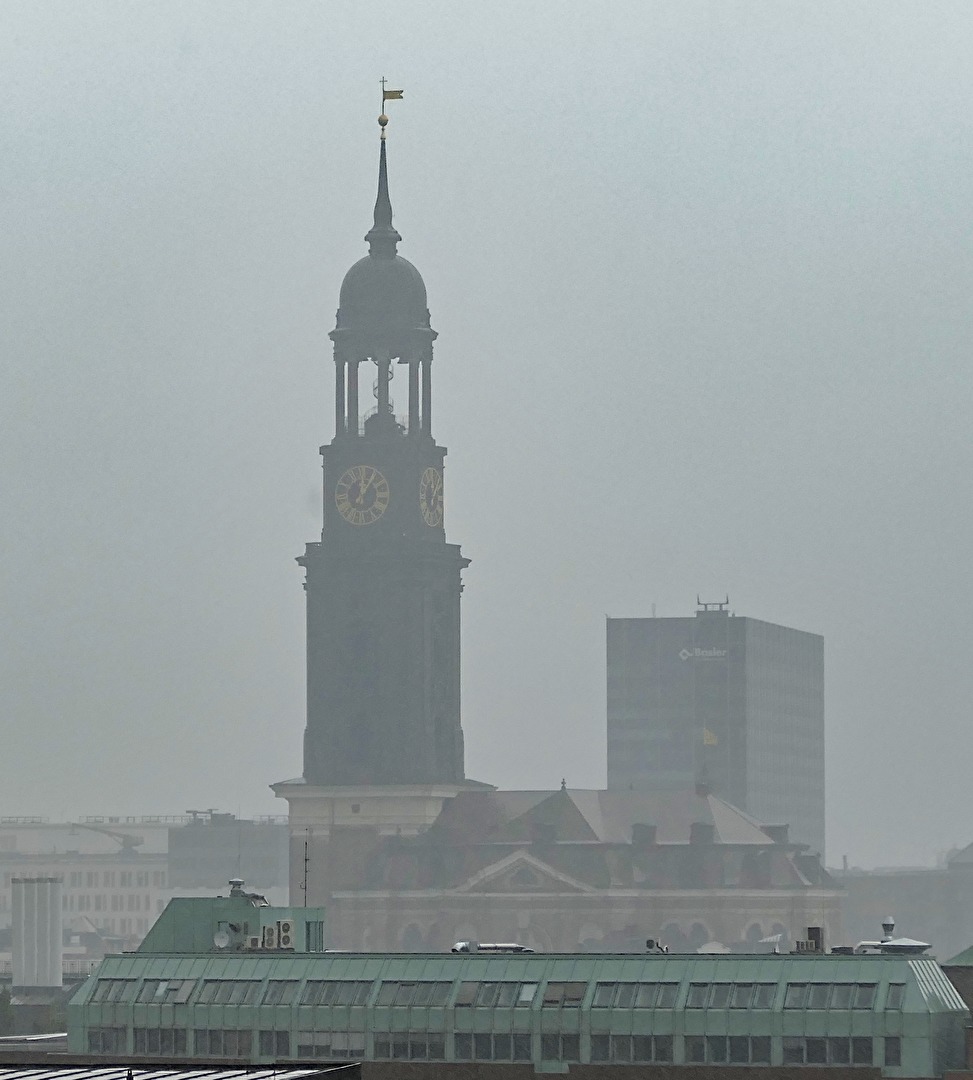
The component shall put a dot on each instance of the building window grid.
(110, 991)
(421, 993)
(336, 1045)
(219, 1042)
(856, 1050)
(492, 1046)
(166, 1041)
(632, 1049)
(275, 1043)
(628, 995)
(801, 995)
(228, 992)
(726, 1049)
(496, 994)
(827, 1050)
(336, 991)
(560, 1046)
(729, 995)
(280, 992)
(165, 991)
(499, 1046)
(107, 1040)
(565, 994)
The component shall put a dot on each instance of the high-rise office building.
(730, 702)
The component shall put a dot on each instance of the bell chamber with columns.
(383, 586)
(383, 319)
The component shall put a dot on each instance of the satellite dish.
(221, 939)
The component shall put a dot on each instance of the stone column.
(353, 397)
(427, 395)
(384, 363)
(413, 397)
(339, 395)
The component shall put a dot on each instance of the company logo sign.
(701, 654)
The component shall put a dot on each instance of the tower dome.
(382, 304)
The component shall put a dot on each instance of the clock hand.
(362, 488)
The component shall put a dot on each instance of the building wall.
(784, 674)
(496, 1070)
(929, 903)
(122, 892)
(587, 922)
(206, 854)
(117, 896)
(898, 1014)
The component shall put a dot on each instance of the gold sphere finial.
(383, 121)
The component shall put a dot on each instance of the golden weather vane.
(387, 95)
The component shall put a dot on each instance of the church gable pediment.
(521, 872)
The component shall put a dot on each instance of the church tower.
(383, 585)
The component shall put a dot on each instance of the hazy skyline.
(701, 274)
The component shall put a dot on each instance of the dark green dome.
(383, 298)
(379, 291)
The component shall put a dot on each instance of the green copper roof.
(963, 959)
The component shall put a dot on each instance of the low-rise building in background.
(117, 874)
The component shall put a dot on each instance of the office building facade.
(216, 980)
(733, 703)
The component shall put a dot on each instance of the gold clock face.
(361, 495)
(431, 497)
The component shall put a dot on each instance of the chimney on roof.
(643, 835)
(777, 833)
(37, 933)
(701, 832)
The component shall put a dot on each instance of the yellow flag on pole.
(391, 95)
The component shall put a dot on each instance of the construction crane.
(128, 841)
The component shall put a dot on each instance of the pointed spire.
(382, 237)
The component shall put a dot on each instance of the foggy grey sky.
(702, 277)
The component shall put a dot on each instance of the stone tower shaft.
(383, 585)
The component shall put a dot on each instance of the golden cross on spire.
(387, 95)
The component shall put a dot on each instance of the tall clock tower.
(383, 585)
